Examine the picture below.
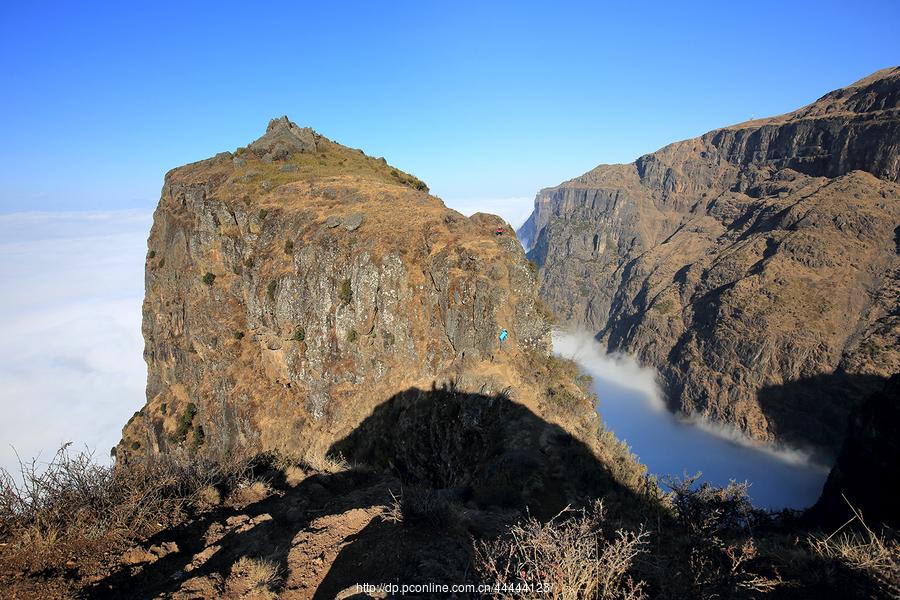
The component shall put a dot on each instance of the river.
(631, 406)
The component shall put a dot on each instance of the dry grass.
(571, 554)
(208, 497)
(318, 459)
(256, 578)
(72, 505)
(864, 552)
(293, 475)
(331, 160)
(249, 492)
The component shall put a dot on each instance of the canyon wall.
(755, 266)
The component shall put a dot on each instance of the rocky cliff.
(296, 284)
(866, 475)
(755, 266)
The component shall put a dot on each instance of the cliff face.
(867, 471)
(295, 285)
(755, 266)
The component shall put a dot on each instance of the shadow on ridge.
(487, 456)
(813, 412)
(459, 466)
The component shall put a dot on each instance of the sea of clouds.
(71, 366)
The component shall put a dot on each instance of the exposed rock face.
(283, 304)
(745, 262)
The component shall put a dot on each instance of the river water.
(631, 406)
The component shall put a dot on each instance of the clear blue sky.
(99, 100)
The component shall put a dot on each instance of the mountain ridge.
(652, 256)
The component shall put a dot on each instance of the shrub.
(299, 335)
(293, 475)
(584, 381)
(352, 336)
(532, 266)
(152, 254)
(135, 445)
(289, 247)
(572, 554)
(721, 554)
(664, 306)
(58, 511)
(248, 262)
(208, 497)
(262, 213)
(250, 492)
(198, 438)
(185, 421)
(254, 578)
(270, 289)
(209, 278)
(429, 507)
(238, 335)
(163, 408)
(346, 292)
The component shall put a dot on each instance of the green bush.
(185, 422)
(135, 445)
(248, 262)
(163, 408)
(352, 336)
(664, 306)
(346, 292)
(198, 438)
(152, 254)
(262, 213)
(209, 278)
(238, 335)
(289, 247)
(299, 335)
(271, 288)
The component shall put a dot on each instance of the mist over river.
(631, 406)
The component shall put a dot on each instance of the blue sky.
(482, 102)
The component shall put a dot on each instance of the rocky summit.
(296, 284)
(756, 266)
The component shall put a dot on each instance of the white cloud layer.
(631, 405)
(71, 366)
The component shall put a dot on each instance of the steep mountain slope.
(296, 285)
(755, 266)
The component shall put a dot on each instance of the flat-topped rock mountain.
(296, 284)
(755, 266)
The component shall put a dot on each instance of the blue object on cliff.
(503, 336)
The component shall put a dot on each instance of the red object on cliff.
(498, 231)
